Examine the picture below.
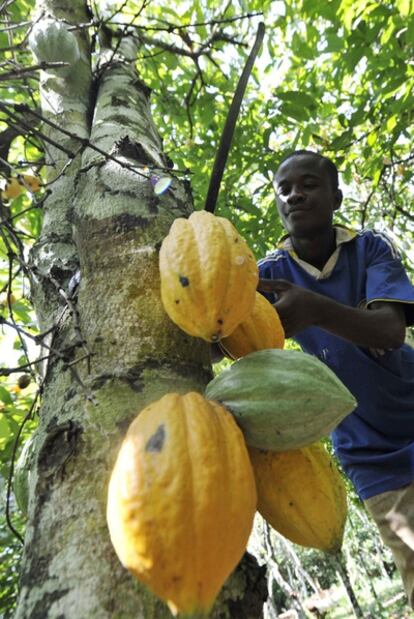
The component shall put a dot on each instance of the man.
(345, 297)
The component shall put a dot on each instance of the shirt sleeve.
(387, 279)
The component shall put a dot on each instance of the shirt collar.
(342, 235)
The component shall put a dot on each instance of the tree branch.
(180, 51)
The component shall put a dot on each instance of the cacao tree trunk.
(96, 289)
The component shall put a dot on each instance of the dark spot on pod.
(220, 321)
(177, 301)
(184, 281)
(156, 441)
(236, 240)
(290, 503)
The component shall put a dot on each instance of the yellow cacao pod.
(262, 329)
(31, 183)
(208, 276)
(302, 495)
(12, 189)
(182, 499)
(16, 185)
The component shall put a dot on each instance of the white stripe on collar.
(342, 235)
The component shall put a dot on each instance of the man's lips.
(297, 209)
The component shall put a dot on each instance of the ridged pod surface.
(282, 399)
(182, 499)
(302, 495)
(261, 329)
(208, 276)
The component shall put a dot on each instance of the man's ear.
(337, 199)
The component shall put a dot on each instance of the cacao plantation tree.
(106, 137)
(108, 346)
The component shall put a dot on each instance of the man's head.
(307, 193)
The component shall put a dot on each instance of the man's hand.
(380, 326)
(296, 306)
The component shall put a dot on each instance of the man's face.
(305, 196)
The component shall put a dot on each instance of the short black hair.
(325, 162)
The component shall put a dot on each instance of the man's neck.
(317, 250)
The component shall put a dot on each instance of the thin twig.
(171, 27)
(18, 123)
(20, 71)
(30, 364)
(87, 143)
(13, 25)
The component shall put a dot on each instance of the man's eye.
(283, 191)
(310, 185)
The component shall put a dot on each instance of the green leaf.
(334, 43)
(247, 206)
(372, 138)
(348, 10)
(171, 61)
(392, 122)
(357, 117)
(21, 312)
(405, 7)
(297, 97)
(387, 34)
(4, 431)
(292, 110)
(5, 396)
(342, 140)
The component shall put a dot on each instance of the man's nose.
(295, 196)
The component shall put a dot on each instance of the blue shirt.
(375, 443)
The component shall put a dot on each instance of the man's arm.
(382, 326)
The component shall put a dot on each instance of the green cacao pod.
(282, 399)
(302, 495)
(51, 41)
(208, 276)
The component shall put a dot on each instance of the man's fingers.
(273, 285)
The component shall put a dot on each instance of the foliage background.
(336, 77)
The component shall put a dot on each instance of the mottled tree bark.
(116, 348)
